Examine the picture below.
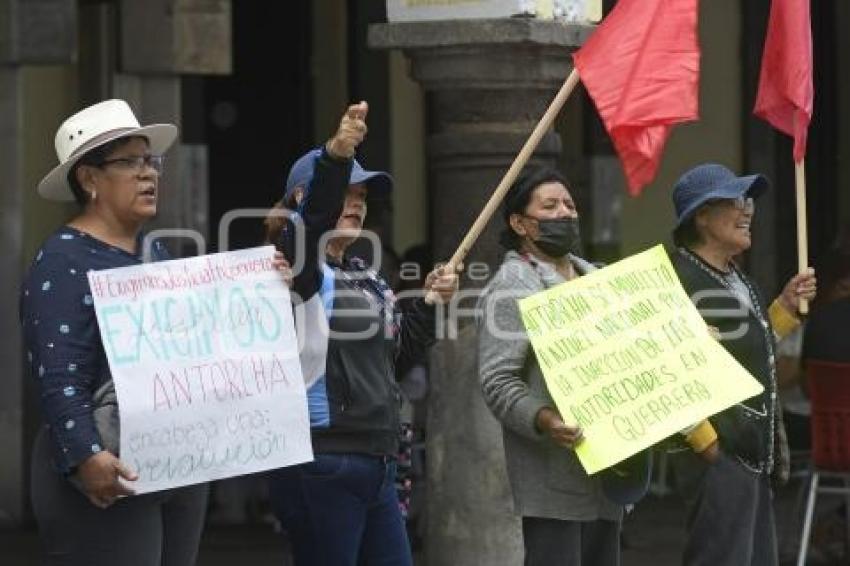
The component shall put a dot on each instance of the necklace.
(755, 308)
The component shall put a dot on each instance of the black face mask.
(557, 236)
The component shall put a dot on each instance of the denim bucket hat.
(378, 182)
(712, 181)
(627, 482)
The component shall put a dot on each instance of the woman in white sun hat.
(111, 166)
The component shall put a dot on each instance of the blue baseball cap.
(301, 173)
(627, 482)
(711, 181)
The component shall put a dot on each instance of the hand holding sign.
(628, 359)
(281, 264)
(351, 132)
(99, 476)
(204, 357)
(550, 422)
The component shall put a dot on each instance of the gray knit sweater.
(546, 480)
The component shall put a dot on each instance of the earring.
(94, 195)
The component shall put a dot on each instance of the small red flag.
(641, 68)
(786, 93)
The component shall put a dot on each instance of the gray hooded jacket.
(547, 481)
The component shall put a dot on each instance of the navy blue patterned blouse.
(62, 337)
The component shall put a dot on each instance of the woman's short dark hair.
(519, 195)
(94, 157)
(686, 235)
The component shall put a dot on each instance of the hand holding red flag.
(641, 67)
(786, 97)
(786, 93)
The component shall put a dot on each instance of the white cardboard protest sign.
(204, 358)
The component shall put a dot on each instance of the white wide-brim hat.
(92, 127)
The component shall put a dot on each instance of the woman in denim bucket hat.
(731, 515)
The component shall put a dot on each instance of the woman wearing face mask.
(566, 517)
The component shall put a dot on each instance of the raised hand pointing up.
(351, 132)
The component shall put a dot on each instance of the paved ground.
(652, 537)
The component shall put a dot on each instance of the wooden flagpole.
(519, 162)
(802, 233)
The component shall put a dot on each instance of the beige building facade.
(254, 83)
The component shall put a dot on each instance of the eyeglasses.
(136, 163)
(744, 204)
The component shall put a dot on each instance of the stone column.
(12, 480)
(31, 32)
(487, 84)
(160, 40)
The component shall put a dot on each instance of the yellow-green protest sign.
(627, 357)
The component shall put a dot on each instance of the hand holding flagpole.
(802, 234)
(519, 162)
(786, 97)
(641, 68)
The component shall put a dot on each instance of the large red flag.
(786, 94)
(641, 67)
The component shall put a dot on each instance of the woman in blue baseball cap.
(731, 520)
(342, 508)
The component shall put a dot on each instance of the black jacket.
(354, 406)
(745, 430)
